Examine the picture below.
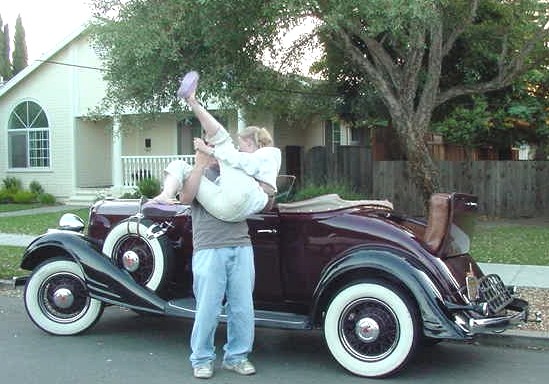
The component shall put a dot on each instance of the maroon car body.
(379, 283)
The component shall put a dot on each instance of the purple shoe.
(188, 84)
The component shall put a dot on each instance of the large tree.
(20, 56)
(400, 47)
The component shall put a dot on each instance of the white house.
(47, 136)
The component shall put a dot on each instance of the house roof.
(43, 59)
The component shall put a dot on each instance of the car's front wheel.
(57, 300)
(371, 328)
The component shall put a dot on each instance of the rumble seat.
(438, 221)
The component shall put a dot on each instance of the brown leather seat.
(438, 220)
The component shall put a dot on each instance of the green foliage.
(517, 114)
(5, 64)
(6, 196)
(131, 195)
(36, 188)
(468, 125)
(10, 258)
(310, 190)
(149, 187)
(24, 197)
(46, 198)
(20, 56)
(12, 184)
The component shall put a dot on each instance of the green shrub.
(131, 195)
(12, 184)
(24, 197)
(36, 188)
(149, 187)
(344, 190)
(5, 196)
(46, 199)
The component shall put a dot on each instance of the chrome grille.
(494, 292)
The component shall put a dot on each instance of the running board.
(187, 308)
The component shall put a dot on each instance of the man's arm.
(191, 184)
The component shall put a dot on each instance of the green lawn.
(17, 207)
(37, 223)
(515, 244)
(10, 257)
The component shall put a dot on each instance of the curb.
(7, 283)
(515, 338)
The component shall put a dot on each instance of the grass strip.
(10, 258)
(38, 223)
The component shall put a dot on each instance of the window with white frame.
(28, 137)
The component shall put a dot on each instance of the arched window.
(28, 137)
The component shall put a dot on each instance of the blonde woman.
(247, 180)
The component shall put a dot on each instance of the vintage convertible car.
(377, 282)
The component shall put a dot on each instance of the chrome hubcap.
(367, 330)
(63, 298)
(130, 260)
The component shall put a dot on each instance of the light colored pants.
(232, 197)
(218, 273)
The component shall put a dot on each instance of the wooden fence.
(505, 188)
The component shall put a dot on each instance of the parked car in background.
(377, 282)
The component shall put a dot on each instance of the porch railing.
(137, 168)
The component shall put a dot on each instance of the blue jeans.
(223, 272)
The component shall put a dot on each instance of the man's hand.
(202, 160)
(201, 146)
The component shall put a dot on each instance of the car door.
(264, 232)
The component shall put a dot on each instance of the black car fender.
(389, 265)
(104, 280)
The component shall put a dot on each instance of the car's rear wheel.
(145, 257)
(57, 300)
(371, 328)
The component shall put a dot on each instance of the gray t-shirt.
(210, 232)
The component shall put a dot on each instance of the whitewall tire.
(57, 300)
(145, 258)
(371, 328)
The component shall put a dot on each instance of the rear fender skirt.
(104, 280)
(430, 304)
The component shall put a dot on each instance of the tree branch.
(452, 37)
(507, 73)
(374, 73)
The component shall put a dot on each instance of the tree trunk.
(423, 171)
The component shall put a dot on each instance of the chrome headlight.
(71, 222)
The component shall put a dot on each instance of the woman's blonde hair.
(260, 136)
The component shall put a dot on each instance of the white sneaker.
(243, 367)
(203, 371)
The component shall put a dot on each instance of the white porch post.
(241, 122)
(117, 179)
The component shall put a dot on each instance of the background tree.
(5, 65)
(514, 115)
(400, 47)
(20, 56)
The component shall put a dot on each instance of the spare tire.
(146, 258)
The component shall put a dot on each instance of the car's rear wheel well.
(352, 277)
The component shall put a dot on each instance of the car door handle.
(267, 231)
